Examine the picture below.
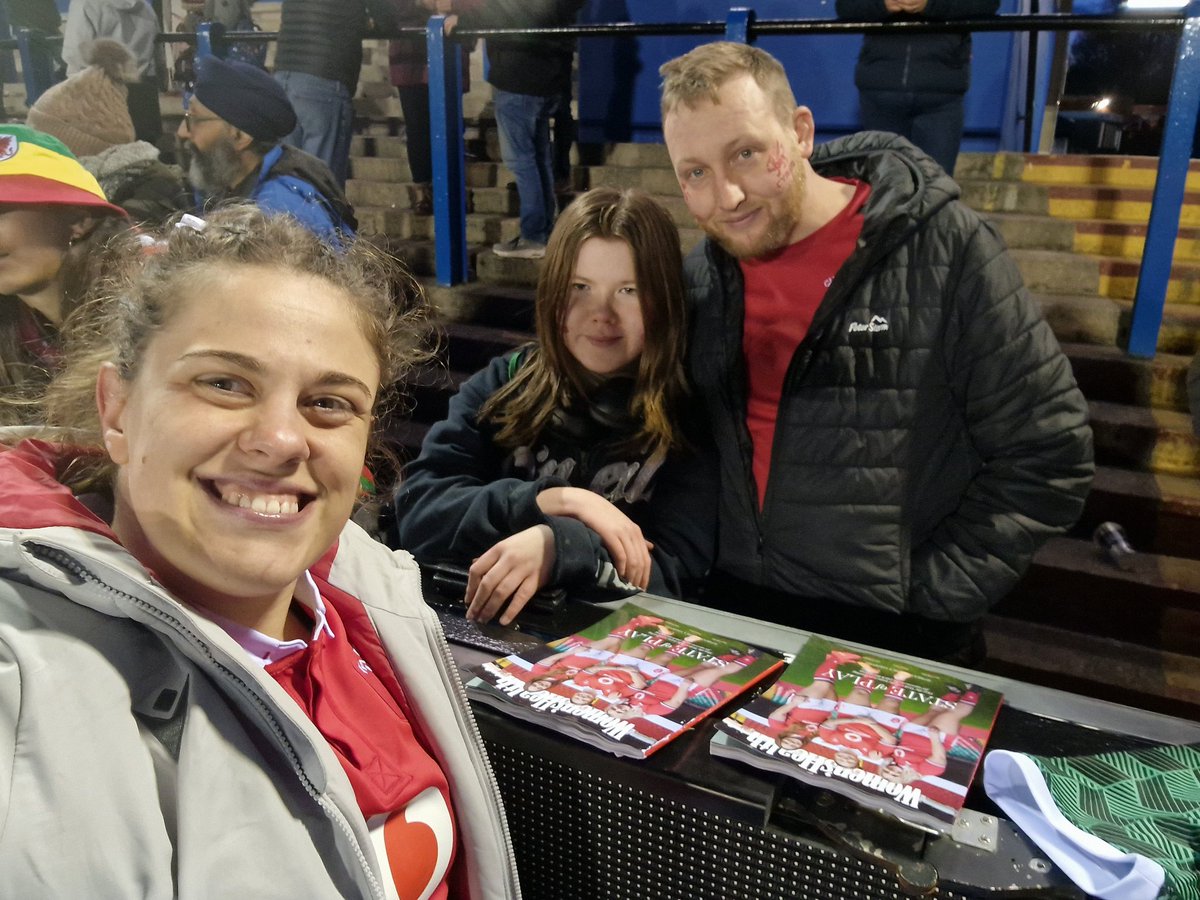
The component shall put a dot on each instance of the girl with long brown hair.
(544, 470)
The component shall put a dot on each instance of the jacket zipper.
(66, 561)
(468, 720)
(907, 62)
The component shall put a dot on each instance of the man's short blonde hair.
(697, 76)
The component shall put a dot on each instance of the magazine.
(902, 739)
(628, 684)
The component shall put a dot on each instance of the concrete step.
(1068, 169)
(652, 181)
(380, 168)
(1119, 204)
(495, 269)
(1107, 668)
(1027, 232)
(1057, 272)
(1093, 237)
(499, 201)
(1072, 585)
(1111, 375)
(639, 156)
(1145, 440)
(1160, 513)
(989, 196)
(393, 195)
(479, 303)
(1128, 240)
(392, 223)
(421, 257)
(470, 347)
(1104, 320)
(393, 146)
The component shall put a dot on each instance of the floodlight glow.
(1155, 4)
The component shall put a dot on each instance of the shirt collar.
(264, 649)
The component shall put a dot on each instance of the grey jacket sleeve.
(1027, 421)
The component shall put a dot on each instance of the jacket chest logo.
(877, 323)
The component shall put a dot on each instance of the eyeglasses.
(189, 120)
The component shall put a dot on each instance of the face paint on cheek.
(781, 166)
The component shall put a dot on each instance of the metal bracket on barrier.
(984, 854)
(737, 25)
(872, 838)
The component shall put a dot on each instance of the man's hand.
(449, 25)
(516, 567)
(622, 537)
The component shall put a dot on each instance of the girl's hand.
(512, 571)
(622, 537)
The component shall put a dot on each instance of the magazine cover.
(628, 684)
(898, 738)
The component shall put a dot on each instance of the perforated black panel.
(580, 834)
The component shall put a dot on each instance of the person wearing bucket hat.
(232, 135)
(53, 217)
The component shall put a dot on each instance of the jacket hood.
(117, 158)
(903, 178)
(32, 497)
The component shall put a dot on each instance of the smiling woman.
(182, 583)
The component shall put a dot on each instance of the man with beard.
(897, 426)
(232, 136)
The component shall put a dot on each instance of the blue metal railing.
(446, 124)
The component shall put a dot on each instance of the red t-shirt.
(399, 786)
(783, 291)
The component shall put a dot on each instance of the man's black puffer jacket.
(930, 434)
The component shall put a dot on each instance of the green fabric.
(1142, 801)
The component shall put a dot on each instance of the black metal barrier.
(683, 824)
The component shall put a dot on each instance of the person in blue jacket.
(232, 135)
(564, 463)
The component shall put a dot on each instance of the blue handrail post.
(449, 166)
(210, 40)
(737, 25)
(37, 63)
(1167, 203)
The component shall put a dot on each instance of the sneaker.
(519, 248)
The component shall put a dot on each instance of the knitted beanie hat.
(37, 168)
(88, 111)
(246, 97)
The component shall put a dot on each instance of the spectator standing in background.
(408, 70)
(529, 75)
(913, 84)
(132, 23)
(40, 14)
(318, 55)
